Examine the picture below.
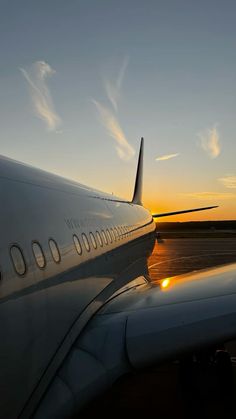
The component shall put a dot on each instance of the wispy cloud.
(228, 181)
(210, 195)
(113, 89)
(111, 123)
(167, 157)
(210, 142)
(40, 94)
(109, 117)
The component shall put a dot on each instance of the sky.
(81, 81)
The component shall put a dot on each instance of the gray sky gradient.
(178, 81)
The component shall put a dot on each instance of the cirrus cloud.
(40, 94)
(109, 117)
(109, 120)
(113, 89)
(210, 142)
(167, 157)
(228, 181)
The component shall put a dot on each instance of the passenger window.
(94, 243)
(77, 245)
(119, 232)
(104, 237)
(54, 250)
(113, 234)
(99, 238)
(38, 255)
(86, 242)
(116, 233)
(109, 235)
(18, 260)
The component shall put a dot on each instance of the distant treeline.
(197, 225)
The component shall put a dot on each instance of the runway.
(157, 392)
(178, 256)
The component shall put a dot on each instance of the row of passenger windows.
(19, 260)
(95, 239)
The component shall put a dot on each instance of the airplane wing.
(166, 214)
(142, 325)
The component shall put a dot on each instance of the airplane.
(77, 307)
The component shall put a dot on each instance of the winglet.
(137, 196)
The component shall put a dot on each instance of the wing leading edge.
(166, 214)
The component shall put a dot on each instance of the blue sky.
(82, 81)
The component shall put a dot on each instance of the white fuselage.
(43, 310)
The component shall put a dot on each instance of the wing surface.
(178, 315)
(142, 326)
